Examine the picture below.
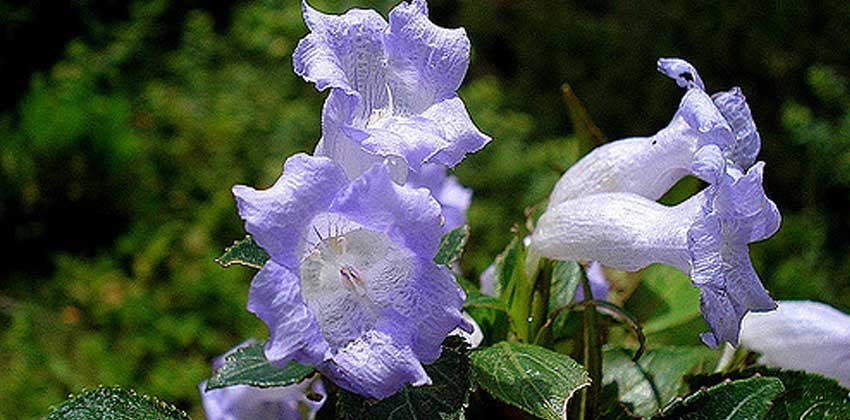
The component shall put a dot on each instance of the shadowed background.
(124, 125)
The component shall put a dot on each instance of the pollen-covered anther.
(352, 280)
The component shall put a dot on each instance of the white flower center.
(347, 281)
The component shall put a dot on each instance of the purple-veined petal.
(275, 216)
(427, 63)
(345, 51)
(408, 216)
(275, 297)
(801, 335)
(733, 106)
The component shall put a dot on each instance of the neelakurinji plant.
(368, 318)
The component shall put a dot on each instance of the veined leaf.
(114, 403)
(445, 399)
(249, 366)
(451, 245)
(668, 304)
(807, 396)
(530, 377)
(490, 313)
(745, 399)
(244, 252)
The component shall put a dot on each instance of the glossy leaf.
(530, 377)
(244, 252)
(668, 305)
(451, 245)
(248, 366)
(490, 313)
(745, 399)
(114, 403)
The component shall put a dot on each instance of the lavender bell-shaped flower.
(650, 166)
(801, 335)
(453, 197)
(299, 401)
(351, 286)
(393, 88)
(705, 236)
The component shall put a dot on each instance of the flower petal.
(682, 72)
(378, 364)
(275, 217)
(275, 297)
(801, 335)
(733, 106)
(427, 62)
(453, 197)
(457, 128)
(346, 52)
(408, 216)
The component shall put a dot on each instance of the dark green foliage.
(806, 395)
(490, 313)
(444, 399)
(114, 403)
(530, 377)
(745, 399)
(451, 245)
(249, 366)
(244, 252)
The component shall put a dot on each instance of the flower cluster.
(603, 208)
(351, 286)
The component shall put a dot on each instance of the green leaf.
(746, 399)
(114, 403)
(566, 276)
(668, 304)
(445, 399)
(451, 245)
(490, 313)
(249, 366)
(653, 381)
(530, 377)
(245, 252)
(806, 395)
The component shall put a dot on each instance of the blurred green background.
(124, 125)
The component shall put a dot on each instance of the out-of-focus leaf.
(451, 245)
(653, 381)
(668, 304)
(114, 403)
(445, 399)
(490, 313)
(244, 252)
(530, 377)
(249, 366)
(745, 399)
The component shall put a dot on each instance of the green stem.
(591, 358)
(539, 299)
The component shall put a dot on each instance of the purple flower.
(650, 166)
(453, 197)
(705, 236)
(351, 286)
(241, 402)
(598, 282)
(393, 88)
(801, 335)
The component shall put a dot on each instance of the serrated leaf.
(806, 395)
(530, 377)
(668, 304)
(746, 399)
(244, 252)
(653, 381)
(490, 313)
(445, 399)
(451, 245)
(249, 366)
(114, 403)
